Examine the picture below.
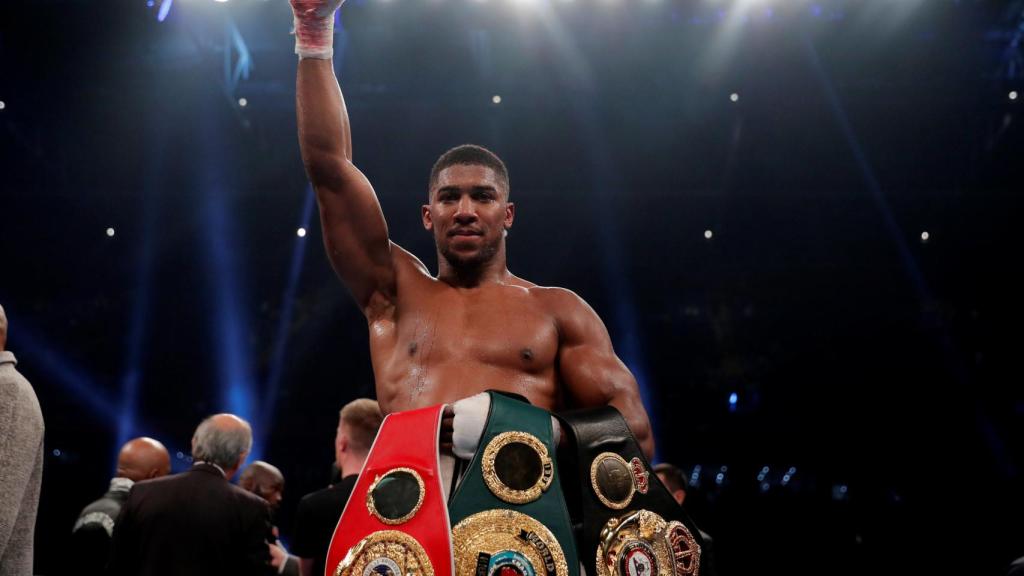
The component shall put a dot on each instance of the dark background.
(877, 420)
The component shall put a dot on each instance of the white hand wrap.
(314, 27)
(470, 419)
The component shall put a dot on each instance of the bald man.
(266, 481)
(139, 459)
(21, 455)
(196, 522)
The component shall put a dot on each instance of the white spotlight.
(243, 102)
(220, 1)
(925, 236)
(734, 97)
(2, 105)
(496, 99)
(301, 232)
(708, 234)
(1013, 94)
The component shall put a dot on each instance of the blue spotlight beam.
(35, 352)
(230, 330)
(133, 369)
(284, 322)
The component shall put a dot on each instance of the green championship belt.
(631, 524)
(509, 513)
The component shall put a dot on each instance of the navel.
(526, 354)
(413, 347)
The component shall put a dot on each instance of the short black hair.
(675, 479)
(470, 154)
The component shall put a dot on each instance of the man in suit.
(318, 513)
(139, 459)
(196, 522)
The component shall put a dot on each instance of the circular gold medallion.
(611, 477)
(502, 542)
(516, 467)
(396, 496)
(386, 553)
(641, 542)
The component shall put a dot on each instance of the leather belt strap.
(626, 511)
(396, 520)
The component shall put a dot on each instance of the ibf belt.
(509, 514)
(631, 524)
(396, 522)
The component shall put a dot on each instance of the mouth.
(464, 233)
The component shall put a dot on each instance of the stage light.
(301, 232)
(150, 3)
(925, 236)
(110, 232)
(242, 101)
(56, 452)
(220, 1)
(2, 105)
(496, 99)
(708, 234)
(734, 97)
(1013, 96)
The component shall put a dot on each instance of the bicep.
(594, 375)
(356, 235)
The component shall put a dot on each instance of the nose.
(466, 211)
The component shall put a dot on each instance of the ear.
(425, 213)
(510, 214)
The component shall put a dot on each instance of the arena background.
(798, 219)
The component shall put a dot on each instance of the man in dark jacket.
(196, 522)
(139, 459)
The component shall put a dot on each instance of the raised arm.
(354, 230)
(591, 372)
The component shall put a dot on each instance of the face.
(272, 494)
(468, 213)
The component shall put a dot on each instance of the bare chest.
(446, 344)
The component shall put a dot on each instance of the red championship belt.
(396, 520)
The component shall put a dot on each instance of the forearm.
(324, 136)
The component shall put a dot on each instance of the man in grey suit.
(196, 522)
(21, 452)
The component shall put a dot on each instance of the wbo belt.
(509, 513)
(395, 522)
(631, 524)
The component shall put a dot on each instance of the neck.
(351, 464)
(492, 271)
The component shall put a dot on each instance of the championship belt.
(395, 522)
(631, 524)
(509, 514)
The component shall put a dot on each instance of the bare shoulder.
(563, 304)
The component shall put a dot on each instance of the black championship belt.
(631, 525)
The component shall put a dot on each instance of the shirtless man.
(474, 326)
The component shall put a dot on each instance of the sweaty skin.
(472, 327)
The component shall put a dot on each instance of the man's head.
(142, 459)
(357, 427)
(468, 207)
(3, 329)
(673, 479)
(224, 440)
(265, 481)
